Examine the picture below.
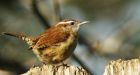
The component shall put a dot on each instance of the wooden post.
(123, 67)
(53, 70)
(118, 67)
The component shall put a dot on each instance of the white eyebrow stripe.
(65, 22)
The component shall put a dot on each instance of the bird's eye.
(72, 23)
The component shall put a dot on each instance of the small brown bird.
(56, 44)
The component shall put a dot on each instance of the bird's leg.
(61, 64)
(44, 63)
(56, 66)
(35, 65)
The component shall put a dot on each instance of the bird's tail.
(28, 40)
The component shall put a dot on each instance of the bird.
(56, 44)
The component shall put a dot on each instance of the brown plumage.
(55, 44)
(52, 36)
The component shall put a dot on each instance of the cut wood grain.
(59, 70)
(123, 67)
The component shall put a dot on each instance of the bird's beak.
(81, 23)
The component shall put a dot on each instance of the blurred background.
(113, 31)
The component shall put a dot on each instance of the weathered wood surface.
(123, 67)
(118, 67)
(53, 70)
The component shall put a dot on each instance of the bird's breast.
(58, 52)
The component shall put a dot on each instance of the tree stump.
(56, 70)
(123, 67)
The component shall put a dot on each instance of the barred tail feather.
(22, 37)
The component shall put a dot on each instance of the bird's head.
(73, 25)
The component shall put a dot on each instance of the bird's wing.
(52, 37)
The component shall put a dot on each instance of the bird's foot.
(61, 64)
(35, 65)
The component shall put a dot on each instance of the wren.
(56, 44)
